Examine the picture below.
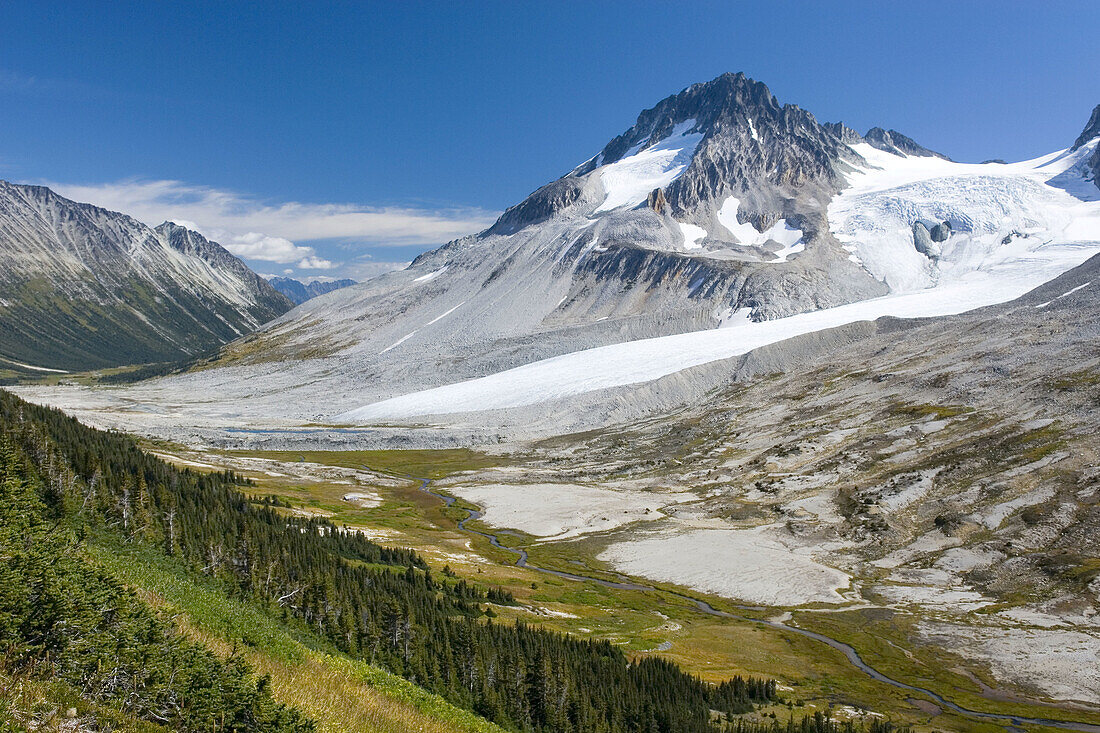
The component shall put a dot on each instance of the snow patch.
(399, 341)
(752, 131)
(443, 315)
(693, 235)
(630, 180)
(32, 367)
(431, 275)
(788, 237)
(1074, 290)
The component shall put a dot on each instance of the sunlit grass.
(340, 693)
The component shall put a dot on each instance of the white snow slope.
(1014, 227)
(629, 180)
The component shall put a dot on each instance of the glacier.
(1014, 227)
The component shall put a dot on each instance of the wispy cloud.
(11, 81)
(256, 246)
(269, 232)
(18, 82)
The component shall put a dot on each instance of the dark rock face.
(1091, 131)
(940, 232)
(893, 141)
(927, 237)
(923, 242)
(656, 200)
(299, 292)
(752, 147)
(845, 134)
(539, 206)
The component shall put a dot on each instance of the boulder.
(922, 240)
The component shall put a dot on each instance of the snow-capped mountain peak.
(697, 149)
(718, 207)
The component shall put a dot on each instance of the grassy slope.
(340, 693)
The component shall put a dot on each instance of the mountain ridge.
(884, 216)
(749, 138)
(84, 287)
(1089, 134)
(299, 292)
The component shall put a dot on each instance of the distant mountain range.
(299, 292)
(83, 288)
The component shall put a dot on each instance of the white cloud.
(256, 246)
(315, 263)
(243, 217)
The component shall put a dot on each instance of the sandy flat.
(560, 511)
(744, 564)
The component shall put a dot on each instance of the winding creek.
(1010, 721)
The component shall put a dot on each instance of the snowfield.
(693, 235)
(789, 237)
(629, 180)
(640, 361)
(985, 203)
(1013, 227)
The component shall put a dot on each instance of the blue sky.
(329, 139)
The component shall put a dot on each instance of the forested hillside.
(62, 617)
(65, 620)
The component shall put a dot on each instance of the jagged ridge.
(299, 292)
(1090, 133)
(82, 287)
(775, 158)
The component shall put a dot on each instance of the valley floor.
(1001, 660)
